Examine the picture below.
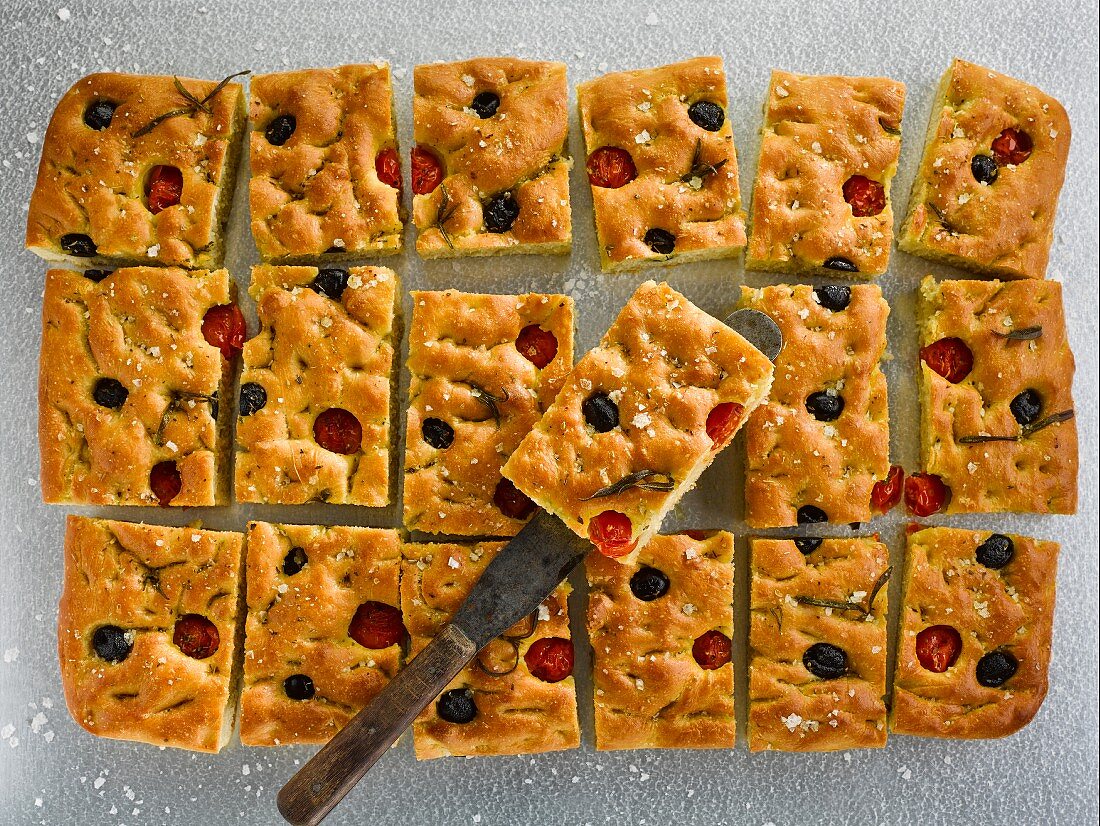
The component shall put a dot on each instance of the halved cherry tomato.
(887, 492)
(938, 647)
(427, 171)
(512, 502)
(925, 494)
(712, 650)
(950, 357)
(387, 165)
(610, 167)
(163, 188)
(550, 659)
(196, 636)
(223, 327)
(866, 197)
(612, 534)
(165, 481)
(723, 421)
(1011, 147)
(377, 625)
(537, 345)
(338, 430)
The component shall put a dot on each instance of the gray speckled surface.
(52, 772)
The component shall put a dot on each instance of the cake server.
(513, 585)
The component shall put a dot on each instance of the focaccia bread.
(133, 376)
(639, 419)
(974, 644)
(483, 370)
(135, 171)
(316, 398)
(324, 632)
(147, 630)
(828, 152)
(817, 644)
(662, 165)
(661, 632)
(326, 172)
(987, 188)
(996, 402)
(816, 447)
(518, 695)
(490, 173)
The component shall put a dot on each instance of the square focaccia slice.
(828, 152)
(819, 443)
(662, 165)
(997, 426)
(316, 398)
(147, 630)
(490, 173)
(483, 370)
(136, 169)
(987, 188)
(661, 632)
(324, 632)
(639, 419)
(817, 644)
(326, 173)
(974, 644)
(133, 375)
(518, 695)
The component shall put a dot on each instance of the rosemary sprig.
(943, 221)
(1022, 334)
(489, 400)
(644, 479)
(863, 608)
(699, 169)
(1025, 431)
(444, 214)
(177, 402)
(194, 104)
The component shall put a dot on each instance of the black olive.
(280, 129)
(835, 297)
(707, 115)
(825, 406)
(839, 263)
(97, 275)
(996, 668)
(501, 212)
(456, 706)
(253, 398)
(825, 661)
(648, 583)
(808, 544)
(112, 644)
(661, 241)
(437, 433)
(294, 560)
(601, 413)
(1027, 406)
(78, 244)
(110, 393)
(99, 114)
(299, 687)
(485, 104)
(330, 281)
(811, 515)
(984, 169)
(996, 552)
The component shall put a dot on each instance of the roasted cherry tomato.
(612, 534)
(1011, 147)
(387, 165)
(938, 647)
(925, 494)
(610, 167)
(550, 659)
(427, 171)
(163, 188)
(338, 430)
(196, 636)
(865, 196)
(712, 650)
(223, 327)
(377, 625)
(166, 482)
(512, 502)
(537, 345)
(723, 421)
(887, 492)
(950, 357)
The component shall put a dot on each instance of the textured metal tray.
(52, 772)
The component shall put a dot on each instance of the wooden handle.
(322, 782)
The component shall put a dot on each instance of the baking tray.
(52, 772)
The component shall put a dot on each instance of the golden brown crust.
(818, 132)
(649, 690)
(645, 112)
(298, 624)
(1004, 228)
(1037, 473)
(141, 326)
(142, 579)
(666, 364)
(790, 709)
(1010, 609)
(312, 354)
(517, 713)
(792, 458)
(319, 192)
(462, 346)
(520, 149)
(93, 182)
